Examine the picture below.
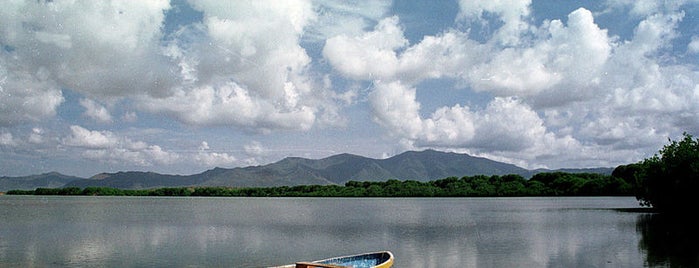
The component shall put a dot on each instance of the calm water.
(258, 232)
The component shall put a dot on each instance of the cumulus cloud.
(357, 56)
(231, 104)
(35, 141)
(82, 137)
(129, 116)
(505, 125)
(36, 136)
(693, 46)
(559, 87)
(394, 107)
(254, 148)
(643, 8)
(96, 111)
(100, 49)
(641, 82)
(384, 54)
(108, 147)
(96, 48)
(567, 58)
(6, 139)
(105, 146)
(338, 17)
(569, 55)
(512, 13)
(26, 96)
(245, 52)
(244, 69)
(255, 154)
(655, 32)
(563, 87)
(213, 159)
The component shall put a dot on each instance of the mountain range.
(337, 169)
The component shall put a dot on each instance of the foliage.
(668, 180)
(20, 192)
(543, 184)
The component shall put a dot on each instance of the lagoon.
(94, 231)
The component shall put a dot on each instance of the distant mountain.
(46, 180)
(599, 170)
(133, 180)
(431, 165)
(337, 169)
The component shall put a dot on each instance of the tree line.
(542, 184)
(666, 182)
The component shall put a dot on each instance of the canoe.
(381, 259)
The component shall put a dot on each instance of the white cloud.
(693, 46)
(505, 125)
(368, 55)
(566, 62)
(449, 54)
(655, 32)
(155, 154)
(208, 158)
(107, 147)
(101, 49)
(37, 136)
(512, 13)
(130, 117)
(60, 40)
(255, 153)
(640, 81)
(96, 111)
(6, 139)
(562, 88)
(565, 57)
(245, 69)
(230, 104)
(508, 125)
(25, 96)
(375, 55)
(395, 108)
(338, 17)
(90, 139)
(114, 50)
(570, 89)
(643, 8)
(254, 148)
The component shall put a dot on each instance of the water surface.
(85, 231)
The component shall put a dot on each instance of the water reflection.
(669, 241)
(258, 232)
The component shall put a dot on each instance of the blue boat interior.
(362, 261)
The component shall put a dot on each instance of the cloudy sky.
(181, 86)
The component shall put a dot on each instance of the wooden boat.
(381, 259)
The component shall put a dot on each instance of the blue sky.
(182, 86)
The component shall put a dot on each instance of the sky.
(180, 87)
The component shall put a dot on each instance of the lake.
(84, 231)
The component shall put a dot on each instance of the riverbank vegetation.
(542, 184)
(668, 180)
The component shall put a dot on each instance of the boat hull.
(382, 259)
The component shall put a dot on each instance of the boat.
(381, 259)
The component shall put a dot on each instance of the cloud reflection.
(258, 232)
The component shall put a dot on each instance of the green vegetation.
(542, 184)
(668, 180)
